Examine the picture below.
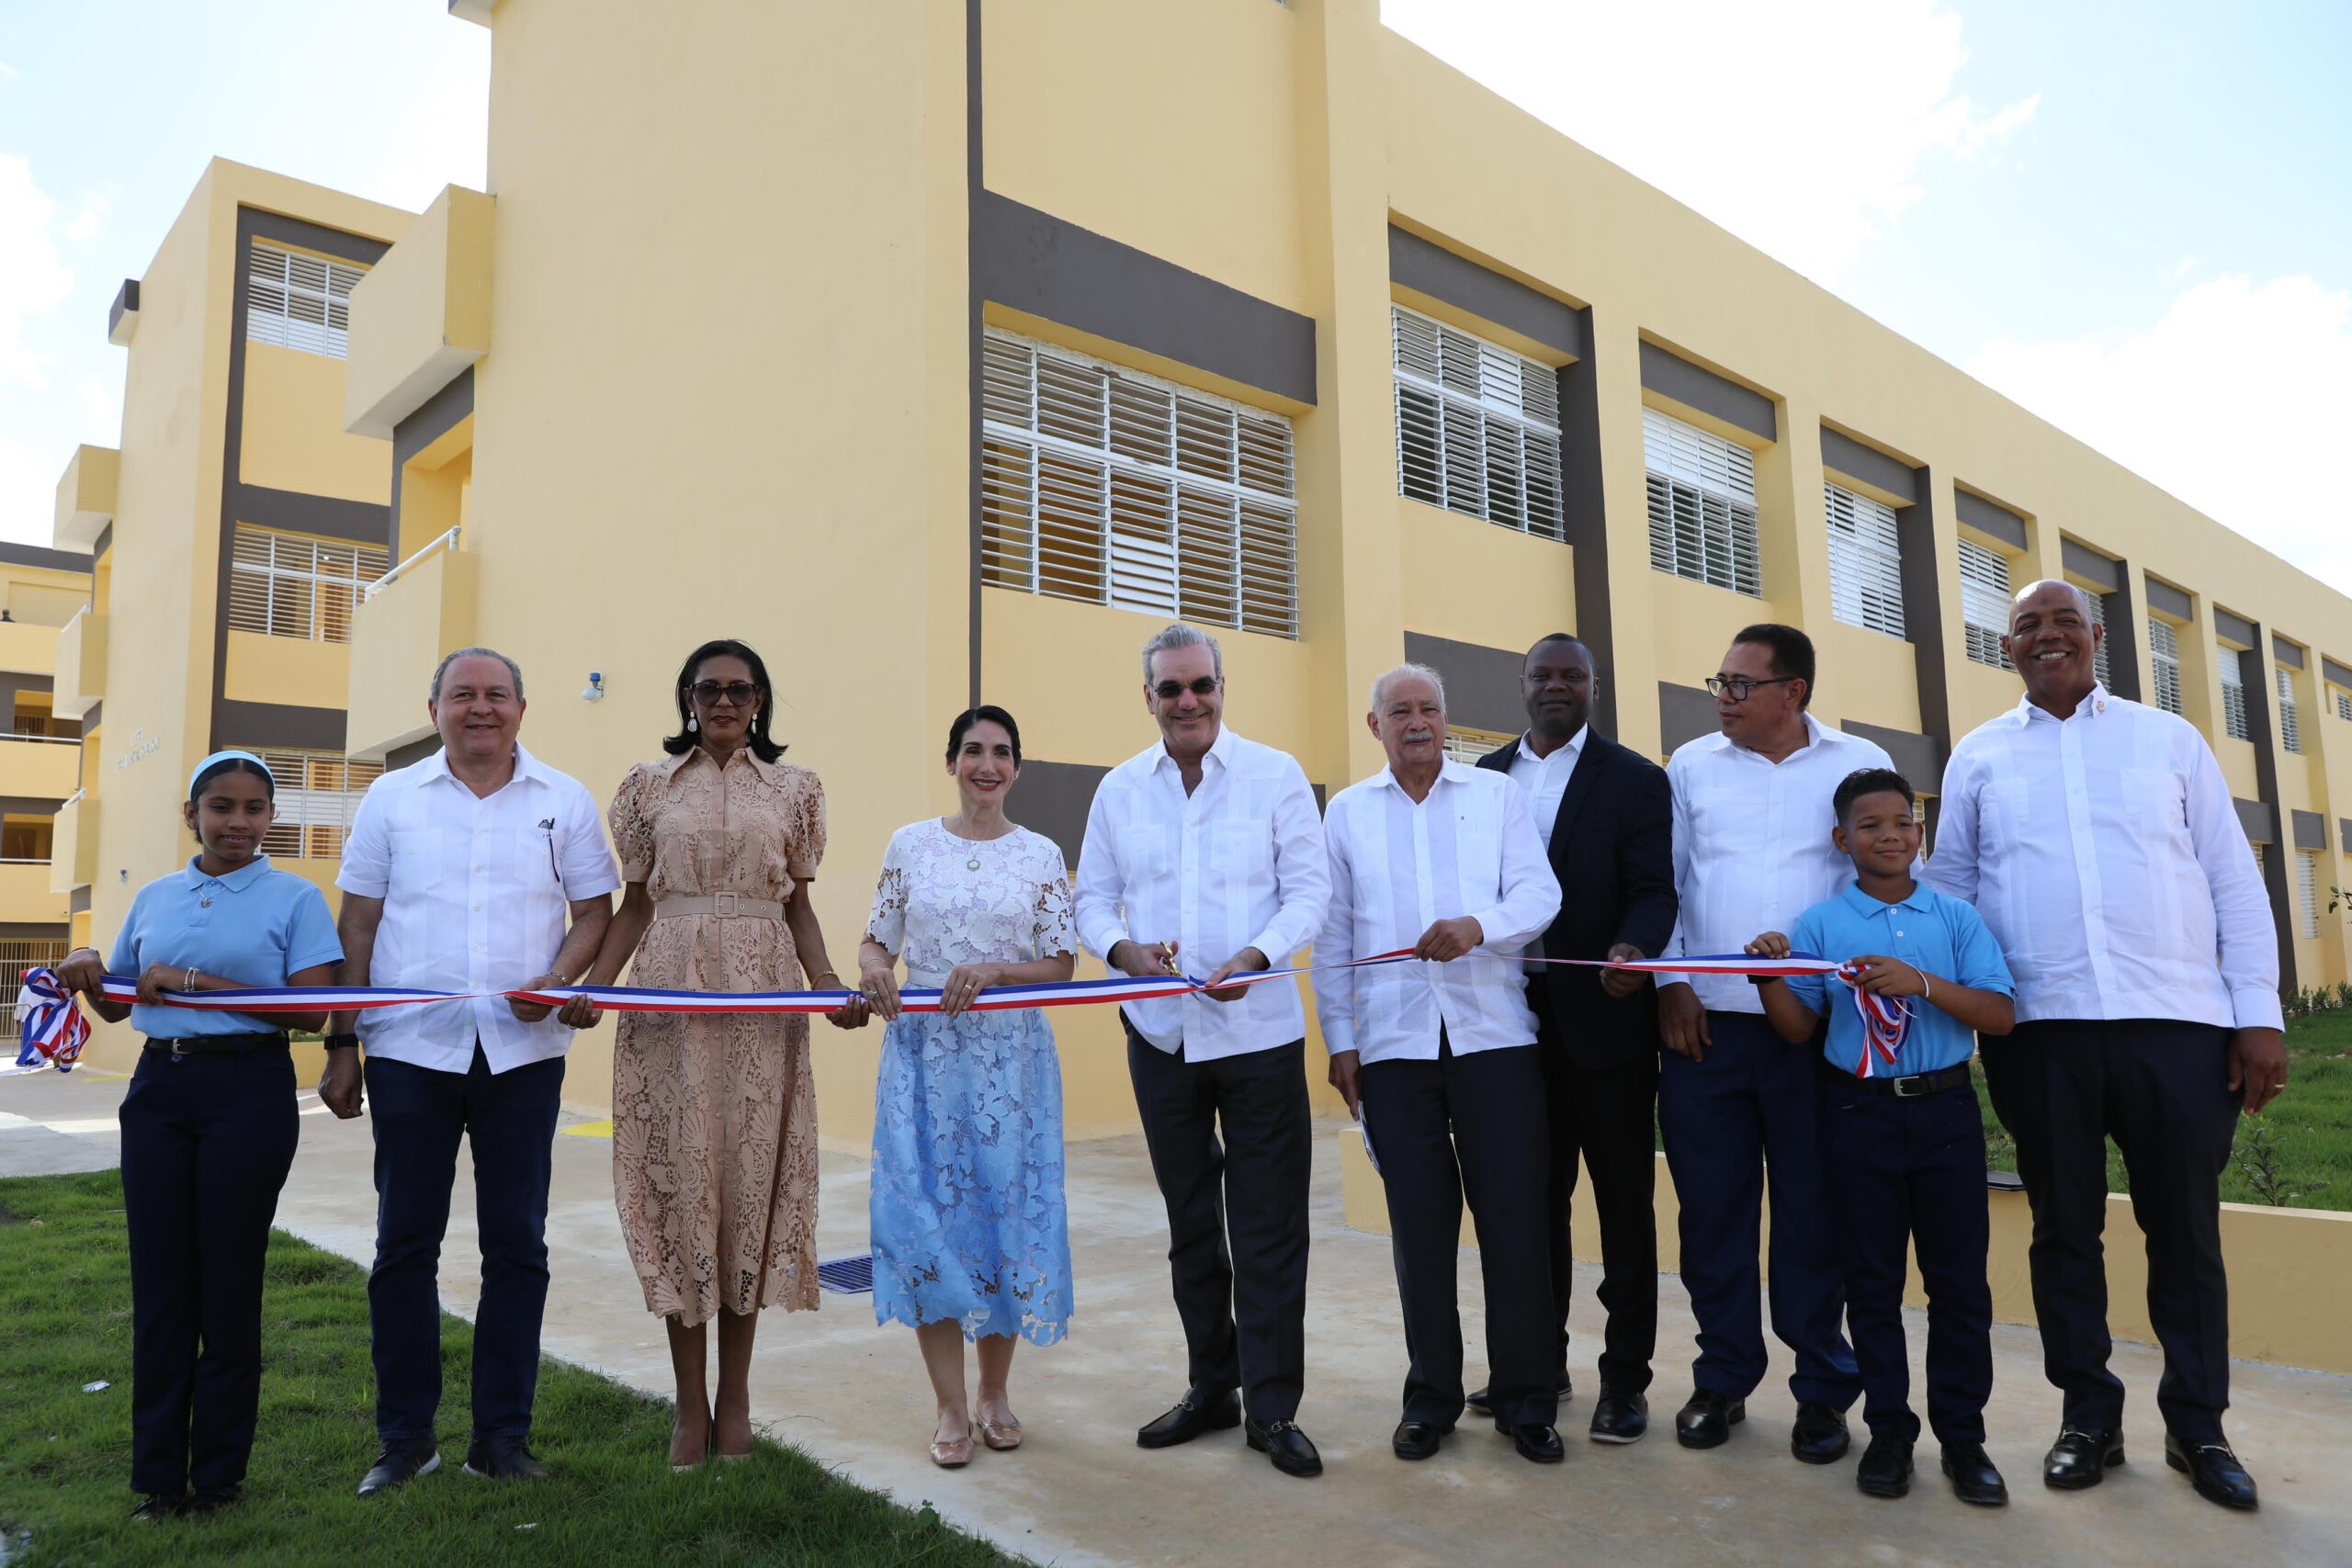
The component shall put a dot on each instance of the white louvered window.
(2307, 891)
(1469, 745)
(2260, 864)
(1984, 603)
(2234, 722)
(300, 302)
(1477, 426)
(2164, 659)
(2098, 601)
(1702, 505)
(1865, 561)
(1102, 484)
(2343, 704)
(2291, 734)
(293, 585)
(317, 796)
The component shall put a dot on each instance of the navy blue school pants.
(207, 1141)
(1750, 1111)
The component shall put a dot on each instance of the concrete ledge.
(2291, 1269)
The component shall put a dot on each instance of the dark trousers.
(1606, 1115)
(1752, 1110)
(207, 1141)
(508, 1119)
(1470, 1124)
(1243, 1306)
(2159, 1089)
(1907, 1174)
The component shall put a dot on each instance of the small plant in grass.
(2257, 1159)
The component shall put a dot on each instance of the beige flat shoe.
(954, 1455)
(1002, 1436)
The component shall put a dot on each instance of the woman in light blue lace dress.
(971, 1239)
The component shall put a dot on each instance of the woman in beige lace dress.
(715, 1116)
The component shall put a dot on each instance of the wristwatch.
(343, 1043)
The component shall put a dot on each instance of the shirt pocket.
(1478, 863)
(416, 860)
(1241, 852)
(2007, 810)
(2148, 805)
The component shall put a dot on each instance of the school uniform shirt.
(1751, 845)
(2106, 855)
(1397, 866)
(1238, 862)
(476, 895)
(1927, 929)
(257, 926)
(1546, 779)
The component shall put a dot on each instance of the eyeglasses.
(1739, 686)
(740, 692)
(1169, 690)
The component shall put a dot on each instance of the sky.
(2134, 219)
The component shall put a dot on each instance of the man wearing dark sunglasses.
(1205, 856)
(1735, 1102)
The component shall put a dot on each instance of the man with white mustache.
(1437, 1055)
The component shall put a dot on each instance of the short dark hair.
(755, 734)
(1550, 638)
(1791, 652)
(1870, 781)
(970, 716)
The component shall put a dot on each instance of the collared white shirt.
(475, 892)
(1398, 865)
(1751, 844)
(1546, 779)
(1238, 862)
(2104, 854)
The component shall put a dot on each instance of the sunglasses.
(740, 692)
(1169, 690)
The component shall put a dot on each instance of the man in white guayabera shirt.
(1204, 856)
(462, 874)
(2098, 840)
(1438, 1055)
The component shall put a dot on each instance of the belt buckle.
(722, 904)
(1912, 1087)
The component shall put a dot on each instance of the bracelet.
(827, 974)
(187, 982)
(1926, 990)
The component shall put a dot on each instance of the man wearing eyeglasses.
(1204, 856)
(1736, 1104)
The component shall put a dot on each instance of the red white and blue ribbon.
(1885, 1020)
(53, 1028)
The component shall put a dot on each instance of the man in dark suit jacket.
(1610, 839)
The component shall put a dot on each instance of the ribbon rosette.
(54, 1028)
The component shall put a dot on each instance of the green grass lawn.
(65, 1455)
(2298, 1152)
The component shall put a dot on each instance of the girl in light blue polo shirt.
(209, 1130)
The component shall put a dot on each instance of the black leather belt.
(219, 1045)
(1917, 1086)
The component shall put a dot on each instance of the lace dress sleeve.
(887, 924)
(807, 846)
(1055, 929)
(633, 824)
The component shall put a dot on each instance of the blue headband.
(224, 757)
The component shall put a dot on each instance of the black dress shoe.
(1885, 1469)
(2081, 1458)
(1418, 1439)
(1482, 1399)
(1819, 1436)
(1199, 1411)
(212, 1499)
(1539, 1445)
(1619, 1418)
(1974, 1479)
(1706, 1420)
(504, 1459)
(401, 1462)
(158, 1506)
(1282, 1442)
(2214, 1469)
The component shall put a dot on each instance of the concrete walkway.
(1081, 1492)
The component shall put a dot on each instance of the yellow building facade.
(41, 593)
(945, 352)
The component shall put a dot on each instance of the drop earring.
(693, 724)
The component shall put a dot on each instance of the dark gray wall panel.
(1918, 758)
(1987, 517)
(2260, 822)
(2124, 632)
(2238, 628)
(2289, 654)
(432, 419)
(1462, 283)
(38, 555)
(2310, 829)
(1684, 714)
(1053, 798)
(275, 723)
(1667, 372)
(125, 301)
(367, 522)
(1481, 684)
(1583, 505)
(1923, 614)
(2335, 672)
(2170, 599)
(1848, 456)
(1035, 262)
(413, 752)
(2102, 572)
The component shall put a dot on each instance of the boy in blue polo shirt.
(1903, 1138)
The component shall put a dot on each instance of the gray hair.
(1182, 637)
(441, 669)
(1381, 682)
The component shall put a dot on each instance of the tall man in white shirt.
(2098, 840)
(460, 874)
(1735, 1102)
(1437, 1055)
(1204, 855)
